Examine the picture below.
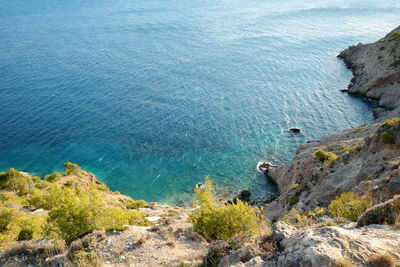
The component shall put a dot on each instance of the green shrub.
(348, 149)
(75, 213)
(102, 187)
(381, 48)
(327, 157)
(6, 217)
(391, 122)
(134, 204)
(225, 221)
(16, 225)
(55, 176)
(387, 138)
(15, 181)
(296, 218)
(11, 200)
(348, 206)
(86, 259)
(293, 199)
(294, 186)
(69, 211)
(71, 168)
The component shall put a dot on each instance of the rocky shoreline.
(376, 70)
(360, 150)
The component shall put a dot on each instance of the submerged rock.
(295, 129)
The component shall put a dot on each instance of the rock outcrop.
(328, 246)
(364, 165)
(376, 69)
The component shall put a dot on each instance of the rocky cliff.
(376, 69)
(363, 162)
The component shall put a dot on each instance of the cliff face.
(376, 69)
(366, 164)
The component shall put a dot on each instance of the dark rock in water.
(181, 203)
(295, 129)
(344, 90)
(244, 195)
(265, 167)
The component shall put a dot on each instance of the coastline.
(301, 229)
(376, 73)
(360, 151)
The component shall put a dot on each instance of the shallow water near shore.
(152, 96)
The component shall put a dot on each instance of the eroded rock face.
(326, 246)
(364, 165)
(376, 69)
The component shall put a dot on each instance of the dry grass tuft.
(342, 262)
(382, 260)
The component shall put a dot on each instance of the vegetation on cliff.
(61, 206)
(225, 221)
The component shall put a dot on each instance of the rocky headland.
(338, 203)
(376, 70)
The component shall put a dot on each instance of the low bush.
(391, 122)
(16, 181)
(134, 204)
(86, 259)
(75, 213)
(348, 206)
(327, 157)
(294, 217)
(387, 138)
(387, 212)
(16, 225)
(293, 199)
(349, 149)
(72, 168)
(226, 221)
(69, 211)
(294, 186)
(55, 176)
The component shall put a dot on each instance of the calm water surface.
(154, 95)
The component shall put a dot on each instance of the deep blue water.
(152, 96)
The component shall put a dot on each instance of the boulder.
(330, 246)
(295, 129)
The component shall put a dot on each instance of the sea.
(153, 96)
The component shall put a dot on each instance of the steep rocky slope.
(365, 165)
(376, 69)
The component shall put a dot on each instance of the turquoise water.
(152, 96)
